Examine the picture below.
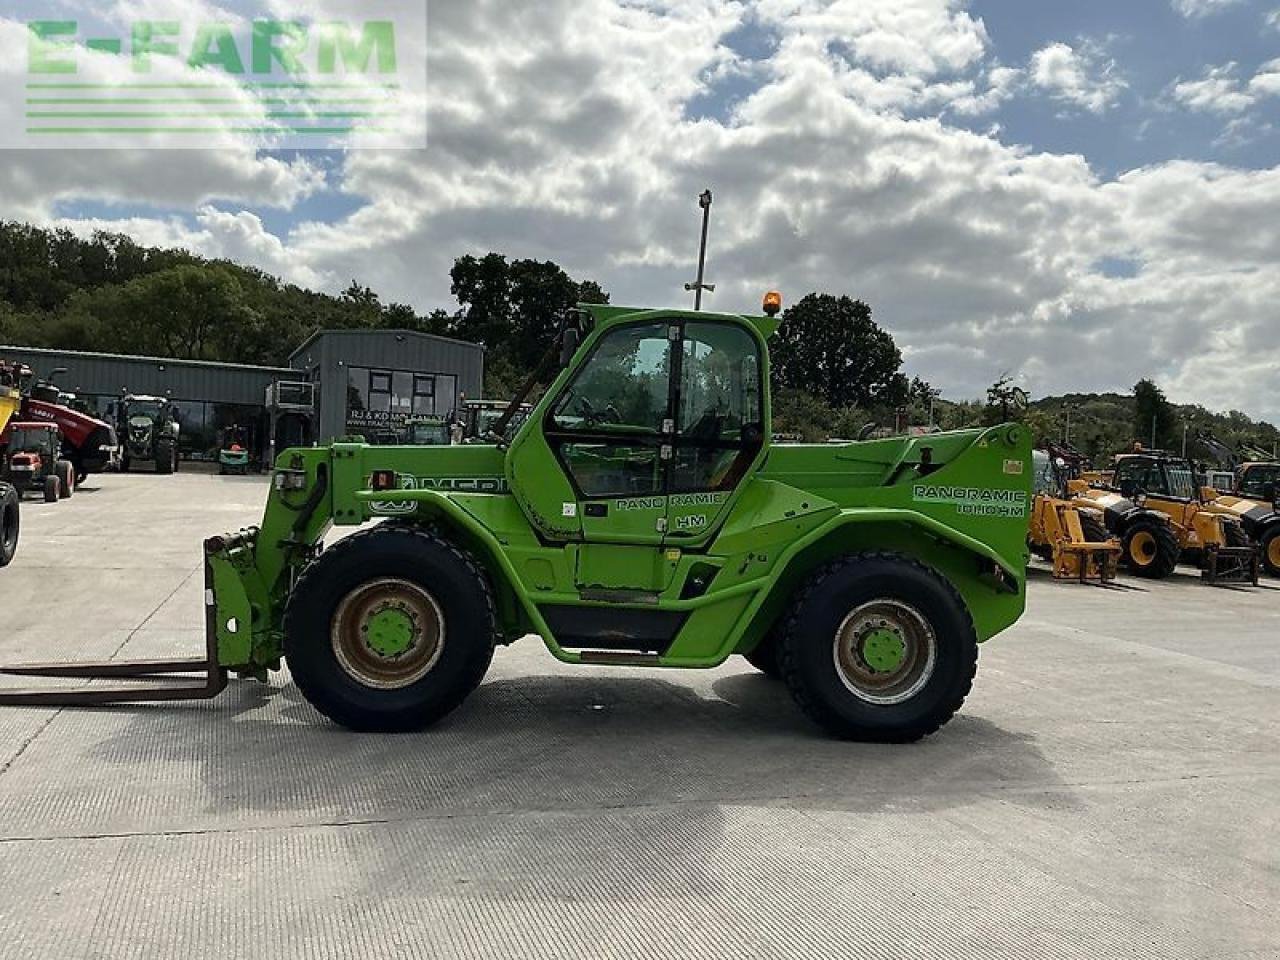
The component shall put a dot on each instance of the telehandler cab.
(639, 517)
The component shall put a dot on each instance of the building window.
(380, 401)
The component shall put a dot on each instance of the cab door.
(610, 430)
(720, 417)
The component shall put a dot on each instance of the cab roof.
(607, 314)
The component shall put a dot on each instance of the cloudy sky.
(1079, 193)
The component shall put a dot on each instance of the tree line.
(836, 372)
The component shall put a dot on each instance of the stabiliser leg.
(198, 678)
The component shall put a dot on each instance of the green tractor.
(150, 431)
(640, 517)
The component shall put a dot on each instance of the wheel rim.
(1142, 548)
(885, 652)
(388, 634)
(1273, 551)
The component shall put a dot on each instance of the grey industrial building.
(338, 383)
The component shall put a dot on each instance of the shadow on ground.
(549, 742)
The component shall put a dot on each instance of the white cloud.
(1195, 9)
(1083, 77)
(1266, 82)
(1218, 91)
(559, 131)
(1272, 19)
(1221, 90)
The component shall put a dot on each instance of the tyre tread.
(820, 713)
(320, 697)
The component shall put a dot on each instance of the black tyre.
(66, 475)
(10, 515)
(52, 486)
(125, 463)
(1271, 551)
(165, 455)
(879, 647)
(765, 657)
(1094, 530)
(1150, 548)
(1233, 535)
(390, 629)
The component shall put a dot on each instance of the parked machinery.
(1157, 481)
(1064, 532)
(150, 430)
(1251, 499)
(233, 453)
(90, 444)
(473, 421)
(33, 461)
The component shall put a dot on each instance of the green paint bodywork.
(957, 502)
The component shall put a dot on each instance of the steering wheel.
(588, 411)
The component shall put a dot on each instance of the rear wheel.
(1271, 551)
(52, 485)
(1151, 548)
(389, 630)
(879, 647)
(9, 522)
(66, 475)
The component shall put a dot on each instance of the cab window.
(607, 426)
(622, 387)
(721, 407)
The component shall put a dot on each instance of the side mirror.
(568, 345)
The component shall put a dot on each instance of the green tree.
(1154, 422)
(514, 307)
(832, 348)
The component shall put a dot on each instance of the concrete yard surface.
(1111, 788)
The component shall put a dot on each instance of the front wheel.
(9, 522)
(1271, 551)
(166, 458)
(1151, 548)
(389, 630)
(52, 487)
(879, 647)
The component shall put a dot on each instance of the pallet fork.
(199, 678)
(1226, 565)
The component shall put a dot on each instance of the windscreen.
(1182, 481)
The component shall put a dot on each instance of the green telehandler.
(639, 517)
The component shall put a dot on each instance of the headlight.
(291, 480)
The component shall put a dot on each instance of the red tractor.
(33, 461)
(90, 444)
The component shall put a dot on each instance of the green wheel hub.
(885, 652)
(883, 649)
(388, 633)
